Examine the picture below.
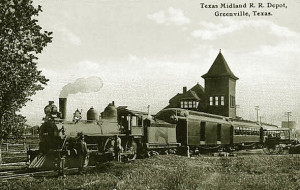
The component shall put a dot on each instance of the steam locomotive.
(119, 133)
(123, 134)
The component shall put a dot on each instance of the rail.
(17, 174)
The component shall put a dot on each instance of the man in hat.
(82, 152)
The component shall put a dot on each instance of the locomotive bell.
(92, 115)
(110, 112)
(76, 116)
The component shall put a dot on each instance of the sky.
(146, 51)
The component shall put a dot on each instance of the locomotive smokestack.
(63, 107)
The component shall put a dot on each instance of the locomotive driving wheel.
(109, 146)
(131, 149)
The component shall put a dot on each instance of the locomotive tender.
(124, 134)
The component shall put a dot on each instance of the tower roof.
(219, 68)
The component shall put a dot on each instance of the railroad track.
(12, 175)
(8, 175)
(17, 174)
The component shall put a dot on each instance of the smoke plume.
(83, 85)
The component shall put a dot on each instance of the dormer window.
(185, 104)
(195, 104)
(189, 104)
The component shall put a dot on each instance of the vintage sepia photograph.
(149, 94)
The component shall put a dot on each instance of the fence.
(13, 148)
(13, 152)
(20, 146)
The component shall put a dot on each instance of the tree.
(21, 40)
(14, 126)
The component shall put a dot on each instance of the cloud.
(281, 31)
(171, 16)
(212, 31)
(284, 47)
(88, 65)
(70, 36)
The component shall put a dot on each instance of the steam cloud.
(83, 85)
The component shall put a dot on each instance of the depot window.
(222, 101)
(232, 101)
(216, 100)
(211, 101)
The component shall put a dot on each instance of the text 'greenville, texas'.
(244, 9)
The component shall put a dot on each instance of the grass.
(170, 172)
(11, 158)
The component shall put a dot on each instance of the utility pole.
(260, 119)
(257, 108)
(148, 110)
(288, 114)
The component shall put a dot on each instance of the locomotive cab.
(131, 122)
